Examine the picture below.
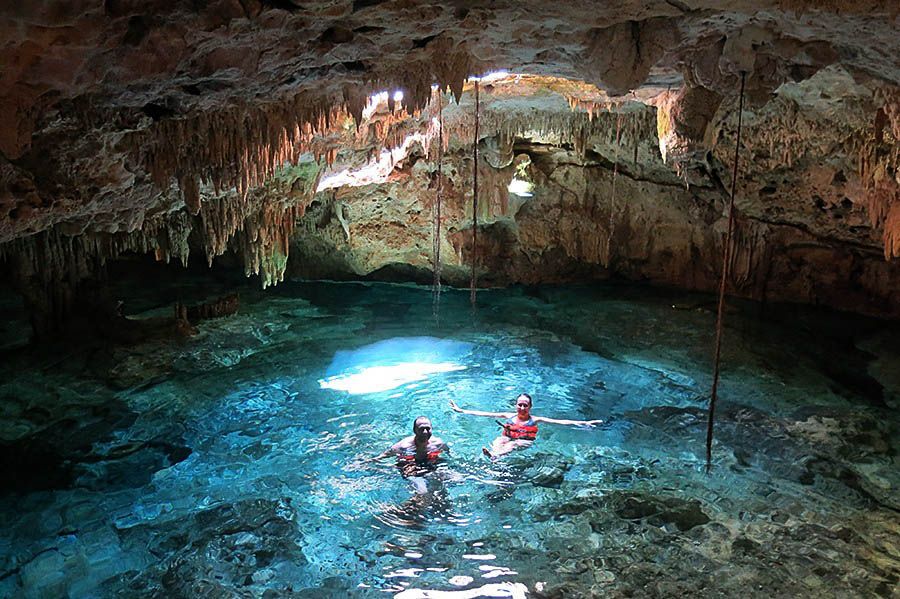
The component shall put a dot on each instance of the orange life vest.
(516, 429)
(409, 455)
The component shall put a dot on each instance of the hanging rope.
(474, 200)
(436, 233)
(726, 260)
(612, 200)
(635, 137)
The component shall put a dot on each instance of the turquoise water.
(231, 463)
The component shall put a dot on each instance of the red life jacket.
(516, 429)
(409, 455)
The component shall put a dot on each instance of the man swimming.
(418, 453)
(520, 428)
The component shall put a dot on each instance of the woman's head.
(523, 404)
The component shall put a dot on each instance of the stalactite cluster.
(577, 128)
(879, 169)
(49, 267)
(242, 147)
(786, 133)
(238, 148)
(593, 106)
(257, 225)
(51, 256)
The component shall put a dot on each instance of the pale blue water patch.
(234, 463)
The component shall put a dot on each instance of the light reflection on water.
(290, 425)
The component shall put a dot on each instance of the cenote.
(233, 462)
(246, 245)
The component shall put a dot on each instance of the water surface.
(232, 463)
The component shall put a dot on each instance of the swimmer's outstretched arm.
(569, 422)
(392, 451)
(456, 408)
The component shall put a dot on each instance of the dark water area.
(232, 463)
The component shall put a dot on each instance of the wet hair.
(530, 401)
(416, 422)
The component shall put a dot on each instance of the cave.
(254, 250)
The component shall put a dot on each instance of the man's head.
(523, 404)
(422, 428)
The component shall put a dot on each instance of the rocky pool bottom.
(229, 463)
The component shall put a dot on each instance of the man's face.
(423, 429)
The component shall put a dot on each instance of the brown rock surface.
(804, 232)
(126, 126)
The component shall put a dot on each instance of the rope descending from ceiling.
(472, 280)
(612, 200)
(436, 232)
(726, 260)
(635, 135)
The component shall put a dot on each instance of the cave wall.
(606, 204)
(159, 128)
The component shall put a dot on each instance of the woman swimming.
(520, 428)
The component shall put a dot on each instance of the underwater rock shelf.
(222, 466)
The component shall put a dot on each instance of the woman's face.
(523, 406)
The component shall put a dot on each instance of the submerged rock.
(645, 508)
(243, 545)
(684, 514)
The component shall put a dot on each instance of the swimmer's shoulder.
(404, 443)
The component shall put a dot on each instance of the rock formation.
(607, 199)
(175, 126)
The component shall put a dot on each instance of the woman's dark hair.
(530, 401)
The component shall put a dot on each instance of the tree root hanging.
(612, 200)
(436, 233)
(472, 281)
(726, 260)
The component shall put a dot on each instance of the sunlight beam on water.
(382, 378)
(393, 363)
(513, 590)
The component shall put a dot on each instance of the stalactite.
(787, 133)
(596, 107)
(493, 195)
(451, 64)
(54, 264)
(879, 169)
(749, 252)
(892, 232)
(53, 259)
(573, 128)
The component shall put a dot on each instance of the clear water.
(220, 465)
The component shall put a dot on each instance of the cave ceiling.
(117, 115)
